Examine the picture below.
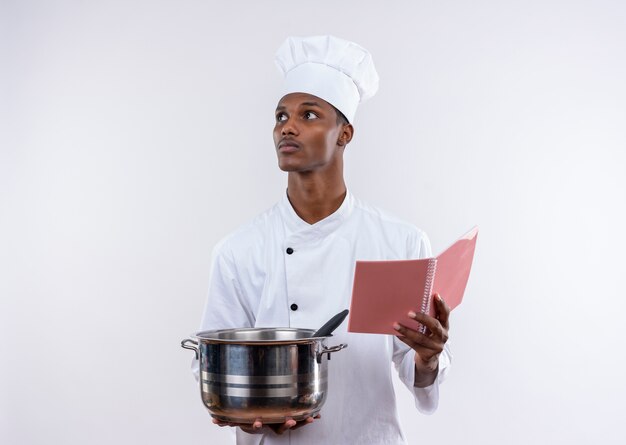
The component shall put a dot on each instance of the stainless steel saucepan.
(269, 374)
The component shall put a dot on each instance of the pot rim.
(209, 337)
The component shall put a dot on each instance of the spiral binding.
(430, 279)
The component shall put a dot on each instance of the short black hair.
(341, 118)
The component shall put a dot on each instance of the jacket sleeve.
(226, 305)
(426, 399)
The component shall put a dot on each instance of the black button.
(289, 252)
(294, 307)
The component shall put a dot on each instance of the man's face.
(306, 133)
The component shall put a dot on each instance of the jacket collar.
(298, 227)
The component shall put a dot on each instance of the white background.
(135, 134)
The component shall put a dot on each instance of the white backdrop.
(135, 134)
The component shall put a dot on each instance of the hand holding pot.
(258, 428)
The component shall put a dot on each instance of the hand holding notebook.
(385, 291)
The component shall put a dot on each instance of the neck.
(314, 197)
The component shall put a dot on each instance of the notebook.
(384, 291)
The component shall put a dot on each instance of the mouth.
(288, 146)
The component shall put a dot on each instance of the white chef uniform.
(255, 282)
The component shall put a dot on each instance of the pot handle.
(184, 345)
(328, 351)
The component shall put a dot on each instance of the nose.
(288, 127)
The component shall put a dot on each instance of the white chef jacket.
(254, 282)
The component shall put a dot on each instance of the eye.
(281, 117)
(310, 115)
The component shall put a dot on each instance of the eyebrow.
(305, 104)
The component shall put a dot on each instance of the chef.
(293, 265)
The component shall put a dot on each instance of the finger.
(442, 310)
(433, 325)
(256, 425)
(219, 422)
(248, 428)
(416, 339)
(306, 421)
(424, 353)
(289, 423)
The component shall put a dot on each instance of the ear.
(345, 135)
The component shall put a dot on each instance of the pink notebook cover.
(384, 291)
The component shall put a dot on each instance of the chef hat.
(336, 70)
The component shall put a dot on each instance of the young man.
(294, 264)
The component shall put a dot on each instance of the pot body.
(269, 374)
